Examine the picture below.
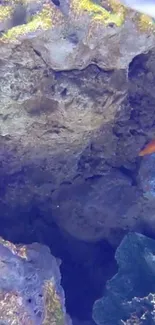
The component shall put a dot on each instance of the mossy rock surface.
(40, 21)
(48, 16)
(79, 31)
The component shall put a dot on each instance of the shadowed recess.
(85, 266)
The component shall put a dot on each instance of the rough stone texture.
(127, 299)
(69, 139)
(142, 311)
(107, 202)
(58, 139)
(30, 291)
(81, 33)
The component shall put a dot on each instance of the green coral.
(99, 13)
(41, 21)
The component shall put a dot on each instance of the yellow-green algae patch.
(145, 23)
(116, 17)
(5, 12)
(41, 21)
(118, 8)
(53, 308)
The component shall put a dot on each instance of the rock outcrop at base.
(30, 290)
(129, 295)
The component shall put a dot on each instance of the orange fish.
(148, 149)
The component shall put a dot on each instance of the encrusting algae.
(54, 313)
(145, 23)
(117, 16)
(44, 19)
(5, 12)
(114, 13)
(40, 21)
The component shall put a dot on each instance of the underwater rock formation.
(30, 290)
(129, 295)
(72, 116)
(77, 98)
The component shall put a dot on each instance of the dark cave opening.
(85, 266)
(84, 280)
(138, 64)
(56, 2)
(131, 174)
